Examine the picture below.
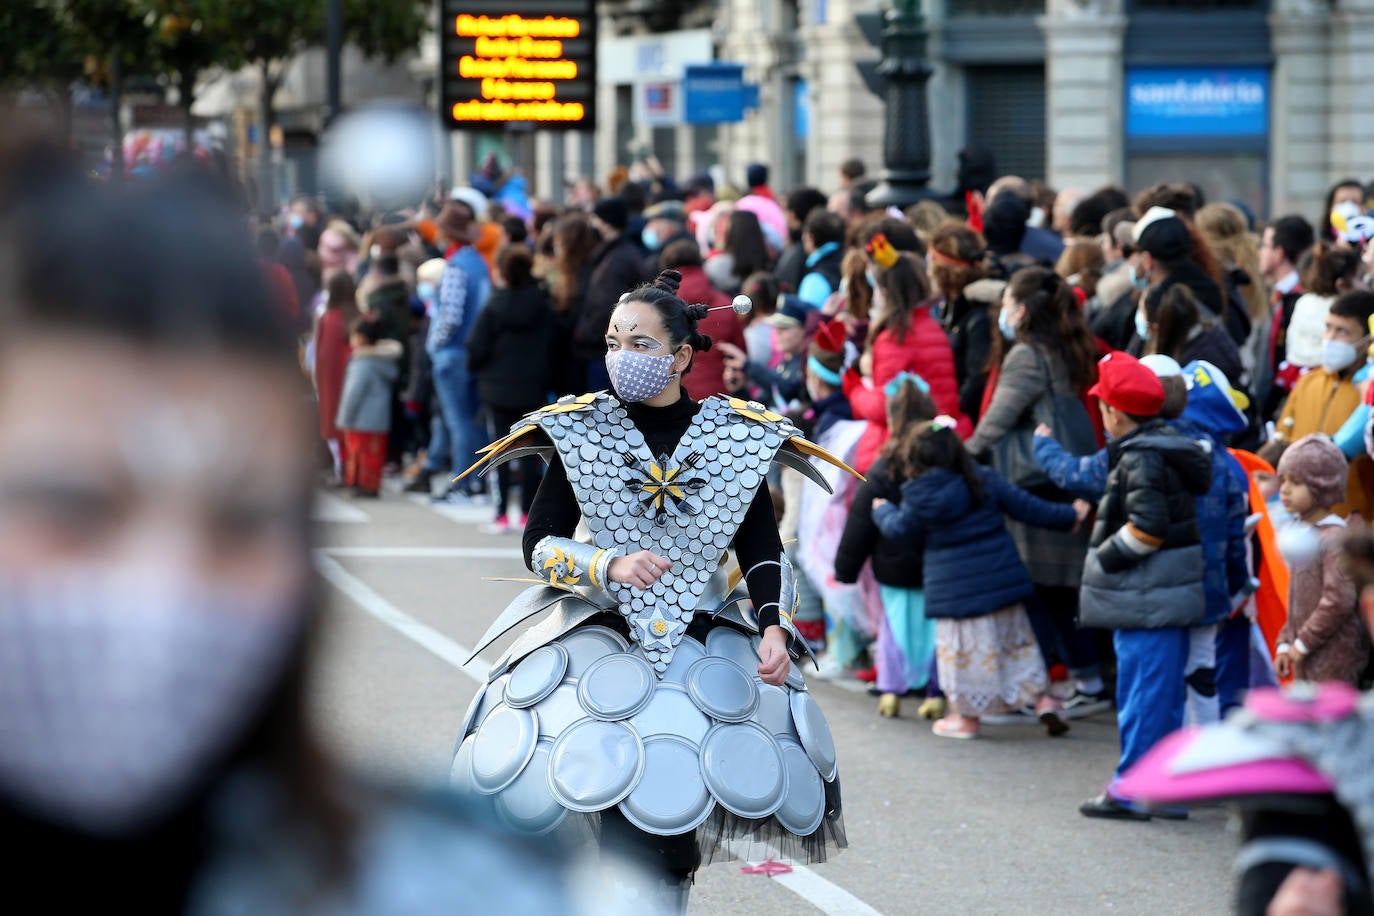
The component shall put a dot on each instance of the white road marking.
(421, 634)
(329, 508)
(815, 890)
(427, 553)
(827, 897)
(456, 512)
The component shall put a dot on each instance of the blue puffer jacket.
(972, 568)
(1220, 513)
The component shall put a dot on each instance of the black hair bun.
(699, 342)
(669, 280)
(697, 312)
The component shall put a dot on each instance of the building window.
(995, 7)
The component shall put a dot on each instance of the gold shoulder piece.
(570, 404)
(505, 442)
(754, 411)
(497, 448)
(812, 450)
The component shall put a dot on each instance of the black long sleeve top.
(555, 511)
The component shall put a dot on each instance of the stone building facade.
(1042, 82)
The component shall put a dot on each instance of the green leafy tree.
(270, 33)
(112, 39)
(191, 37)
(38, 54)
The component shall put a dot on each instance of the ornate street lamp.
(906, 118)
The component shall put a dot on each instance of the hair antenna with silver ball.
(742, 305)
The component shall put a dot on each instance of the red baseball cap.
(1123, 383)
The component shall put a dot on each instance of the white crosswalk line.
(329, 508)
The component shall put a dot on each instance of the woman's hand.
(735, 358)
(1081, 508)
(879, 502)
(1044, 430)
(774, 662)
(640, 570)
(1283, 665)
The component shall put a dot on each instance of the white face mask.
(120, 691)
(1338, 355)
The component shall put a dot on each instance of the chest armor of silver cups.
(685, 506)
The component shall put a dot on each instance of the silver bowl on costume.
(671, 712)
(743, 767)
(587, 644)
(672, 798)
(584, 723)
(505, 743)
(803, 808)
(528, 804)
(814, 734)
(722, 689)
(595, 764)
(615, 687)
(537, 676)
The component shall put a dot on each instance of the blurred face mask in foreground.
(121, 690)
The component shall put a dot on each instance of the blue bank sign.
(1197, 102)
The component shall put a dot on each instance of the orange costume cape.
(1271, 601)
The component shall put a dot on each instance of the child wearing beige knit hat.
(1324, 639)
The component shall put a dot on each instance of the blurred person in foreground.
(1294, 767)
(157, 607)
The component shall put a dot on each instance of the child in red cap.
(1144, 571)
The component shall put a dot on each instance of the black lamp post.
(906, 118)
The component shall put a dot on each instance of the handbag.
(1014, 455)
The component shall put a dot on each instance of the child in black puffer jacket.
(1143, 578)
(905, 651)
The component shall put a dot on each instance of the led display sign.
(521, 61)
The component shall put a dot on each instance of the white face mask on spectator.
(1338, 355)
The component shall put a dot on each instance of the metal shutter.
(1006, 112)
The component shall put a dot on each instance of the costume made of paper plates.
(648, 700)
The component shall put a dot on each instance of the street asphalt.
(935, 826)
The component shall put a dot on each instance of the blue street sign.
(713, 93)
(1197, 102)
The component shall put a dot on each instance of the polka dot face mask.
(638, 376)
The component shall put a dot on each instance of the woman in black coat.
(906, 642)
(1178, 329)
(510, 349)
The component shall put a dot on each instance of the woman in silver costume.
(657, 705)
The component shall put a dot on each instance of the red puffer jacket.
(708, 369)
(924, 351)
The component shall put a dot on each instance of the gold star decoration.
(561, 569)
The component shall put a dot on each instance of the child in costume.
(905, 650)
(975, 583)
(854, 610)
(1324, 639)
(365, 405)
(1143, 576)
(1199, 403)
